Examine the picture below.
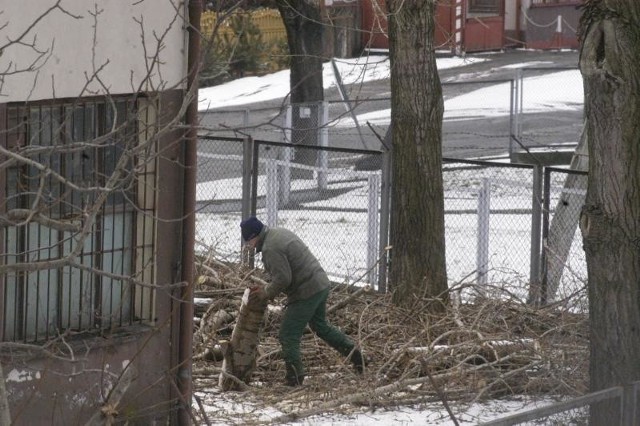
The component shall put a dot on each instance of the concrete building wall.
(78, 49)
(90, 48)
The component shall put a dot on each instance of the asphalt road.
(463, 137)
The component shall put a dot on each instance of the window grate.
(70, 260)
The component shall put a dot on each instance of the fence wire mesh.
(320, 195)
(488, 222)
(332, 199)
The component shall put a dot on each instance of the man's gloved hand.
(257, 294)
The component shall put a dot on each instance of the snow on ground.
(273, 86)
(234, 408)
(221, 407)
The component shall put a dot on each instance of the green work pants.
(310, 311)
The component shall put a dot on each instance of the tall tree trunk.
(610, 221)
(418, 267)
(303, 24)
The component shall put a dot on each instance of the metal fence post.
(247, 193)
(516, 106)
(536, 228)
(385, 211)
(544, 266)
(520, 101)
(286, 154)
(484, 215)
(271, 197)
(247, 166)
(372, 228)
(247, 163)
(323, 141)
(255, 161)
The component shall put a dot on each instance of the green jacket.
(294, 270)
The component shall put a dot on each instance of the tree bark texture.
(610, 220)
(240, 353)
(418, 267)
(303, 25)
(304, 28)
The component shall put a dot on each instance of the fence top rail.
(292, 145)
(485, 163)
(358, 101)
(221, 138)
(231, 109)
(320, 148)
(478, 81)
(614, 392)
(551, 169)
(551, 68)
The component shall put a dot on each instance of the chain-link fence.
(321, 194)
(488, 219)
(334, 198)
(539, 107)
(320, 175)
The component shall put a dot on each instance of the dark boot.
(358, 361)
(292, 378)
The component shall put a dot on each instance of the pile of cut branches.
(482, 347)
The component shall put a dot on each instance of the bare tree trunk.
(610, 221)
(565, 220)
(303, 24)
(418, 267)
(240, 352)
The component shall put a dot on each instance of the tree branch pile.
(481, 347)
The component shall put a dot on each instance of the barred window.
(73, 252)
(556, 2)
(484, 6)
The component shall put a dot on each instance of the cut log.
(210, 324)
(240, 352)
(443, 357)
(209, 281)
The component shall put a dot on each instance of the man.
(295, 271)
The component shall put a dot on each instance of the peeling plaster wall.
(68, 387)
(52, 391)
(66, 53)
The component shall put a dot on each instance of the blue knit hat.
(251, 227)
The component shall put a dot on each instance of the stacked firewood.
(482, 347)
